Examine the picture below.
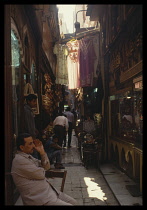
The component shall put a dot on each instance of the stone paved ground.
(87, 186)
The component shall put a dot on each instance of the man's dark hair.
(20, 139)
(30, 97)
(68, 108)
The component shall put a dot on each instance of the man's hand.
(39, 146)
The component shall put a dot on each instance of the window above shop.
(15, 50)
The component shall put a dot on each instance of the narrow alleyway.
(88, 187)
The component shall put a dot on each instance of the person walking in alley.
(75, 118)
(29, 175)
(70, 117)
(60, 125)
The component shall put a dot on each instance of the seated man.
(89, 125)
(29, 175)
(54, 151)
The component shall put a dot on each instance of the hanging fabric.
(61, 70)
(86, 59)
(73, 64)
(97, 60)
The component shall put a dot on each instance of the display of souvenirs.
(53, 95)
(98, 118)
(126, 116)
(48, 131)
(58, 93)
(47, 102)
(48, 85)
(47, 99)
(79, 94)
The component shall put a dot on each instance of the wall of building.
(26, 62)
(122, 31)
(121, 69)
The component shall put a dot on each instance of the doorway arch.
(16, 61)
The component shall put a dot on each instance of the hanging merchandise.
(86, 59)
(73, 64)
(61, 69)
(28, 89)
(47, 99)
(97, 59)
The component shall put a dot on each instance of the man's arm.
(27, 168)
(66, 124)
(56, 146)
(45, 163)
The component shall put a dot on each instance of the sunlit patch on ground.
(93, 189)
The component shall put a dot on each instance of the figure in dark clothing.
(60, 125)
(70, 117)
(54, 151)
(29, 122)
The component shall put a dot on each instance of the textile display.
(61, 71)
(86, 59)
(73, 64)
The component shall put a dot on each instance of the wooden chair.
(90, 155)
(51, 173)
(57, 173)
